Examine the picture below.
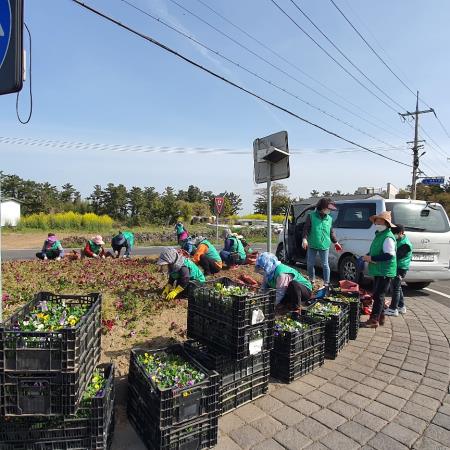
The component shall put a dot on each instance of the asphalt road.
(439, 291)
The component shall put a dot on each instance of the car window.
(418, 217)
(354, 215)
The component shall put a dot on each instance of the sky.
(96, 83)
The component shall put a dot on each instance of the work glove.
(45, 258)
(174, 292)
(58, 258)
(304, 244)
(167, 288)
(338, 247)
(95, 255)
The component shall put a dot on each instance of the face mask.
(380, 227)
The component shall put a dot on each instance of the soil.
(27, 241)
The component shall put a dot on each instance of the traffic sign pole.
(218, 203)
(269, 211)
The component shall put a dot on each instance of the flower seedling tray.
(62, 350)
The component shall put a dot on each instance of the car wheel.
(417, 286)
(280, 253)
(347, 269)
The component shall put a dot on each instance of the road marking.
(437, 292)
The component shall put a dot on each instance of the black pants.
(53, 254)
(295, 294)
(209, 265)
(380, 285)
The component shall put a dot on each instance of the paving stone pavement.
(387, 390)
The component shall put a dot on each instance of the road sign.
(271, 157)
(11, 46)
(436, 181)
(219, 202)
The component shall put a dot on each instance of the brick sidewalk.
(387, 390)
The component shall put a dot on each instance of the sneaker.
(402, 310)
(391, 312)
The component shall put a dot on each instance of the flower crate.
(46, 393)
(62, 350)
(352, 299)
(169, 406)
(335, 343)
(91, 428)
(235, 309)
(293, 341)
(220, 336)
(200, 433)
(288, 368)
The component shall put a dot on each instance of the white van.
(426, 224)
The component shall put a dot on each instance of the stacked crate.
(352, 299)
(296, 353)
(232, 335)
(44, 374)
(336, 328)
(173, 418)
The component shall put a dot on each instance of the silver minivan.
(427, 226)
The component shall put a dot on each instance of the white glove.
(45, 258)
(305, 243)
(58, 258)
(96, 256)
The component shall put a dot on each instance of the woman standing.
(382, 262)
(318, 234)
(291, 287)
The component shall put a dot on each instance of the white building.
(10, 212)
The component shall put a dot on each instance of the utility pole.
(416, 143)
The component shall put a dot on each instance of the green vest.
(404, 262)
(282, 268)
(129, 236)
(195, 273)
(319, 236)
(52, 249)
(94, 247)
(238, 247)
(382, 268)
(212, 252)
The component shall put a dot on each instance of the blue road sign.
(5, 28)
(433, 181)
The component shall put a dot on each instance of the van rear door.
(428, 229)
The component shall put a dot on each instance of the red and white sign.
(219, 202)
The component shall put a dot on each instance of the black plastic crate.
(288, 368)
(229, 370)
(335, 323)
(335, 343)
(245, 390)
(200, 433)
(238, 343)
(235, 311)
(169, 407)
(354, 309)
(91, 428)
(290, 343)
(46, 393)
(50, 351)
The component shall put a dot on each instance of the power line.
(344, 55)
(251, 72)
(129, 148)
(331, 56)
(442, 125)
(296, 67)
(231, 83)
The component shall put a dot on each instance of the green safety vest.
(94, 247)
(404, 262)
(319, 236)
(195, 272)
(212, 252)
(129, 236)
(283, 268)
(382, 268)
(238, 247)
(53, 248)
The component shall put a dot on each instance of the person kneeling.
(206, 256)
(121, 240)
(94, 249)
(181, 271)
(52, 249)
(233, 252)
(292, 288)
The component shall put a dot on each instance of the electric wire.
(332, 57)
(307, 75)
(254, 74)
(344, 55)
(231, 83)
(27, 120)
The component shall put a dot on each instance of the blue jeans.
(398, 300)
(311, 259)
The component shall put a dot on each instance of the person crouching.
(52, 249)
